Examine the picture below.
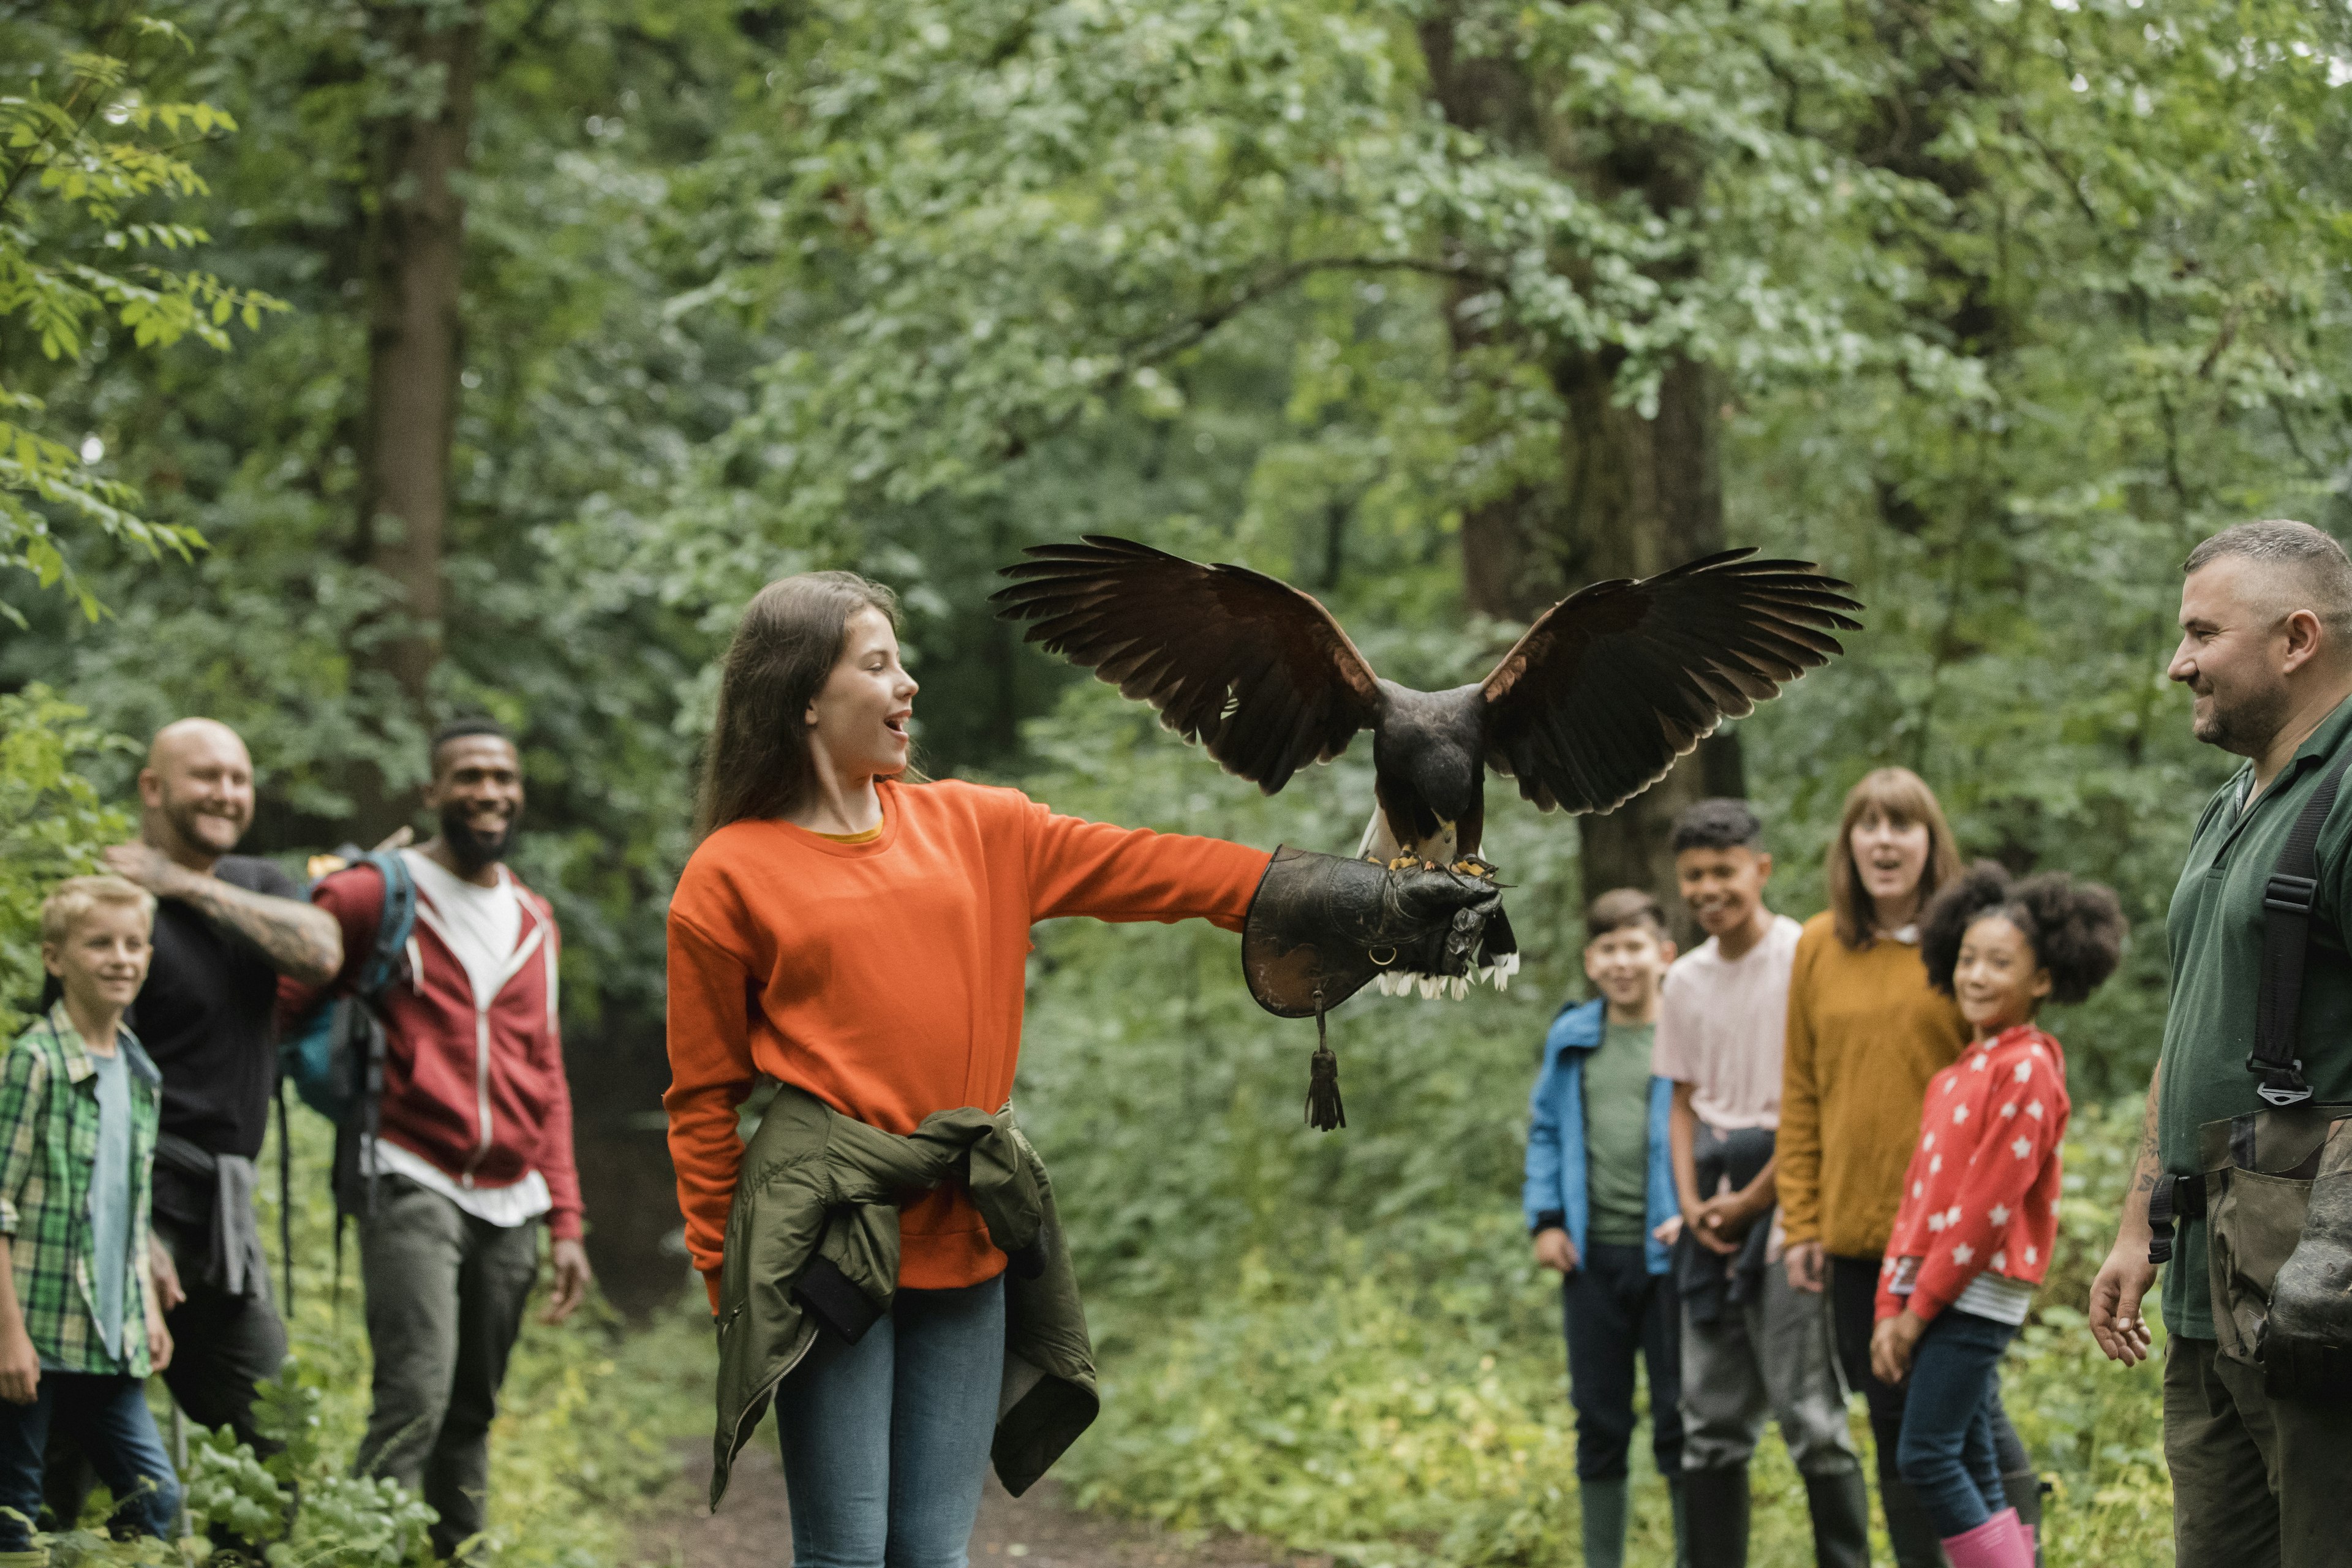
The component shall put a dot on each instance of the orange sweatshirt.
(886, 978)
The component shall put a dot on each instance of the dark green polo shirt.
(2215, 934)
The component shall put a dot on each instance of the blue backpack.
(333, 1055)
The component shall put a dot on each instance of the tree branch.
(1196, 328)
(1192, 330)
(2295, 439)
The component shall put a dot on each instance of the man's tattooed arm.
(298, 939)
(2148, 1167)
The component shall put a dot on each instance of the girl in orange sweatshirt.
(863, 939)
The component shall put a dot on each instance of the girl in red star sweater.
(1979, 1208)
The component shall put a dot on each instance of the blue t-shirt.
(109, 1197)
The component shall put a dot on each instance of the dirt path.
(753, 1529)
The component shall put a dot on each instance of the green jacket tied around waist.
(817, 1185)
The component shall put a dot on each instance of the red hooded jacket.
(480, 1094)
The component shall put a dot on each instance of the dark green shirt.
(2214, 930)
(1617, 1135)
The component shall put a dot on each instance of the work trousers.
(444, 1301)
(2256, 1482)
(1854, 1306)
(1770, 1356)
(1618, 1312)
(885, 1442)
(106, 1417)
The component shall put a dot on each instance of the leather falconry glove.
(1322, 926)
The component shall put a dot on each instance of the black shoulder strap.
(2287, 903)
(285, 1196)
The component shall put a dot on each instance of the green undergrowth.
(586, 1437)
(1362, 1410)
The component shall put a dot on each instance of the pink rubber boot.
(1998, 1543)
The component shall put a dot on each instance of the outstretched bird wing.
(1612, 684)
(1251, 667)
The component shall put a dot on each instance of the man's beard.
(472, 849)
(189, 821)
(2244, 727)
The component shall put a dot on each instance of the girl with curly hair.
(1979, 1209)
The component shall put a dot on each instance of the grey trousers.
(2256, 1482)
(1772, 1357)
(444, 1301)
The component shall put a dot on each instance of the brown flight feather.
(1248, 666)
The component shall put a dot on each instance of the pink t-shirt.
(1723, 1023)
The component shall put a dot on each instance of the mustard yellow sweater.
(1866, 1033)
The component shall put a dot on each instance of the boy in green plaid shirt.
(79, 1325)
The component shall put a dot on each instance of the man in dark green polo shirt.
(2266, 648)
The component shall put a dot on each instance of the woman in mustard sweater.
(861, 938)
(1866, 1033)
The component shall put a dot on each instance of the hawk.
(1588, 708)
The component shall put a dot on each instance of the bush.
(1388, 1421)
(584, 1437)
(51, 826)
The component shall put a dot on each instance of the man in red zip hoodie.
(474, 1143)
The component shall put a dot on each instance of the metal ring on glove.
(1378, 962)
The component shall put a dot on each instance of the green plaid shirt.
(48, 1145)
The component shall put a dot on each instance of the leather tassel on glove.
(1325, 1110)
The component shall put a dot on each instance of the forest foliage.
(2004, 303)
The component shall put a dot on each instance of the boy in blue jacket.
(1601, 1206)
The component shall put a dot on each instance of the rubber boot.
(1682, 1521)
(1998, 1542)
(1715, 1504)
(2023, 1489)
(1841, 1509)
(1908, 1528)
(1603, 1505)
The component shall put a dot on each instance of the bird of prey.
(1588, 708)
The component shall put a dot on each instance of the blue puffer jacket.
(1556, 1182)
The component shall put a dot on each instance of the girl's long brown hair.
(757, 764)
(1903, 798)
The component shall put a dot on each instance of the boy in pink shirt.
(1753, 1344)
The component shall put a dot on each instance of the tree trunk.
(415, 255)
(1639, 495)
(1644, 495)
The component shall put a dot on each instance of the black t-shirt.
(205, 1016)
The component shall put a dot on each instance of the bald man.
(2266, 651)
(227, 926)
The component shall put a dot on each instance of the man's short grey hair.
(2321, 572)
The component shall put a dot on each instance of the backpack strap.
(394, 926)
(285, 1196)
(392, 930)
(2287, 901)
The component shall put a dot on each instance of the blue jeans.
(106, 1415)
(1947, 1452)
(885, 1441)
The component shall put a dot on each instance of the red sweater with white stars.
(1982, 1189)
